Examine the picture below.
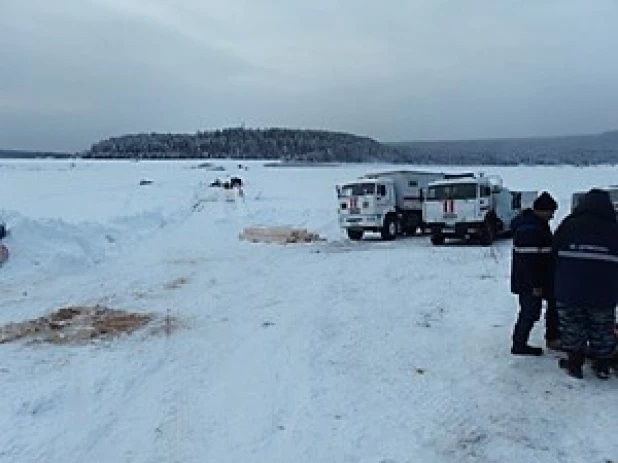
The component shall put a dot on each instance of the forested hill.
(325, 146)
(284, 144)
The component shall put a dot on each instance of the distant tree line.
(325, 146)
(21, 154)
(574, 150)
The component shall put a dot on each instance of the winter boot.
(525, 349)
(601, 368)
(573, 364)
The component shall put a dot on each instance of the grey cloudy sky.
(76, 71)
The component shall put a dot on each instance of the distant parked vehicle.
(389, 203)
(477, 207)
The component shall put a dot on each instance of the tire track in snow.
(221, 400)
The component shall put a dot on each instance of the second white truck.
(472, 208)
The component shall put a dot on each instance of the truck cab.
(364, 205)
(478, 208)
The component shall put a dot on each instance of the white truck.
(613, 195)
(389, 203)
(478, 207)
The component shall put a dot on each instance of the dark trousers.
(529, 313)
(588, 329)
(552, 321)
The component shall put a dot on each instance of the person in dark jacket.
(532, 274)
(586, 283)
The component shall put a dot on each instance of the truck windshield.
(357, 189)
(453, 191)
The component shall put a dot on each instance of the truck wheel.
(354, 234)
(437, 239)
(389, 230)
(487, 234)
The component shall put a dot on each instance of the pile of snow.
(54, 246)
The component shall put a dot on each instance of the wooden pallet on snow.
(279, 235)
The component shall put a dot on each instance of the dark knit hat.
(545, 202)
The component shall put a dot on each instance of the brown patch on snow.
(76, 324)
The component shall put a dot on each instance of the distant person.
(532, 275)
(4, 251)
(586, 282)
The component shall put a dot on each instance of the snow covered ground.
(335, 351)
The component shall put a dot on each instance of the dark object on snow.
(233, 182)
(4, 254)
(573, 364)
(145, 182)
(526, 350)
(601, 367)
(3, 231)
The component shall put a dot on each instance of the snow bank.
(52, 246)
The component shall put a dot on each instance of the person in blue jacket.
(586, 283)
(532, 274)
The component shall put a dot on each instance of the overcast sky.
(75, 71)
